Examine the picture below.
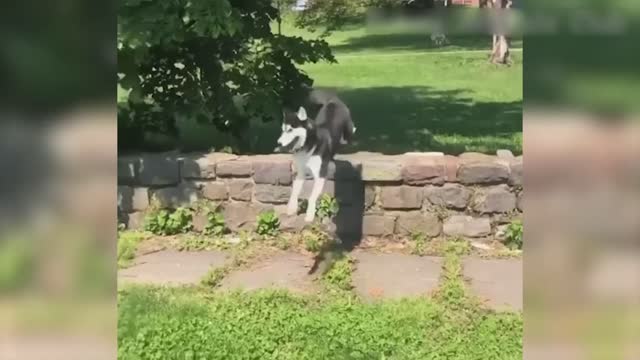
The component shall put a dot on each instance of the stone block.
(135, 220)
(467, 226)
(381, 170)
(159, 170)
(273, 194)
(417, 222)
(378, 225)
(200, 221)
(133, 199)
(519, 201)
(475, 156)
(293, 223)
(505, 154)
(184, 194)
(239, 167)
(344, 170)
(243, 216)
(345, 192)
(240, 189)
(452, 196)
(202, 166)
(401, 197)
(127, 170)
(495, 199)
(483, 172)
(369, 196)
(516, 172)
(501, 232)
(215, 190)
(451, 164)
(272, 170)
(420, 170)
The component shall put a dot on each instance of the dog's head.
(295, 127)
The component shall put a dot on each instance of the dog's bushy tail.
(348, 131)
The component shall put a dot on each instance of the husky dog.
(313, 134)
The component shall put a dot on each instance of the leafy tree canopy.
(216, 61)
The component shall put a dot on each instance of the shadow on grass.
(395, 120)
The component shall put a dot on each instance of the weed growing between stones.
(419, 242)
(127, 245)
(441, 212)
(268, 224)
(215, 224)
(165, 222)
(452, 292)
(314, 239)
(514, 234)
(214, 277)
(338, 276)
(327, 207)
(196, 242)
(243, 254)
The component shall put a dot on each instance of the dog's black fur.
(329, 122)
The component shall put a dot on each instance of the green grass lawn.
(157, 323)
(407, 95)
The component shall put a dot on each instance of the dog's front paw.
(309, 216)
(292, 209)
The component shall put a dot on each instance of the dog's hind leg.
(315, 164)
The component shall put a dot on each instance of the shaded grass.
(405, 94)
(451, 103)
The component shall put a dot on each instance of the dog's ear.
(302, 114)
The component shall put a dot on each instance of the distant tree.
(500, 50)
(331, 15)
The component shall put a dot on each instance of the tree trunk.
(438, 37)
(500, 49)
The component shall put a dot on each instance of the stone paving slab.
(380, 275)
(284, 270)
(498, 282)
(377, 275)
(170, 267)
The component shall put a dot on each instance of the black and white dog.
(313, 134)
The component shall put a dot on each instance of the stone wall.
(471, 195)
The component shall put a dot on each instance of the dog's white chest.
(308, 162)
